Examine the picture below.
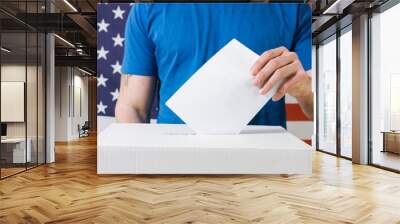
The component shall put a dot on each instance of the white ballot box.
(175, 149)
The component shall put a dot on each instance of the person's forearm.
(307, 105)
(125, 114)
(302, 91)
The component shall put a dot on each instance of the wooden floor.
(5, 172)
(387, 159)
(70, 191)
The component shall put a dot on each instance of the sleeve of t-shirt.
(302, 38)
(139, 58)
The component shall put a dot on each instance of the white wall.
(61, 103)
(80, 89)
(71, 87)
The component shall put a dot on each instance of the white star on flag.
(101, 81)
(118, 13)
(101, 108)
(115, 94)
(111, 21)
(103, 26)
(116, 67)
(102, 53)
(118, 40)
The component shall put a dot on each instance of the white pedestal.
(174, 149)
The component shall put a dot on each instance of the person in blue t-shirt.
(172, 41)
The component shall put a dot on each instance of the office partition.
(15, 149)
(22, 77)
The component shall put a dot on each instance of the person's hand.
(281, 65)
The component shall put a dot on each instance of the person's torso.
(185, 36)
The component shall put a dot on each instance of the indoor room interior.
(51, 115)
(22, 100)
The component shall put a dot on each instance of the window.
(327, 96)
(346, 92)
(385, 89)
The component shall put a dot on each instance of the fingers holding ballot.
(281, 65)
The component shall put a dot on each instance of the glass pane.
(13, 87)
(346, 93)
(385, 84)
(32, 98)
(327, 97)
(23, 87)
(41, 98)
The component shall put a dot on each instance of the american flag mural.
(111, 18)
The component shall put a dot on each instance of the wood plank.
(70, 191)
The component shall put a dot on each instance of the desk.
(15, 148)
(391, 141)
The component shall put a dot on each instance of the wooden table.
(391, 141)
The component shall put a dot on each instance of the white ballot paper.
(220, 97)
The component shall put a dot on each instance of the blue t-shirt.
(172, 41)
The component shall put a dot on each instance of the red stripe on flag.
(308, 141)
(295, 113)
